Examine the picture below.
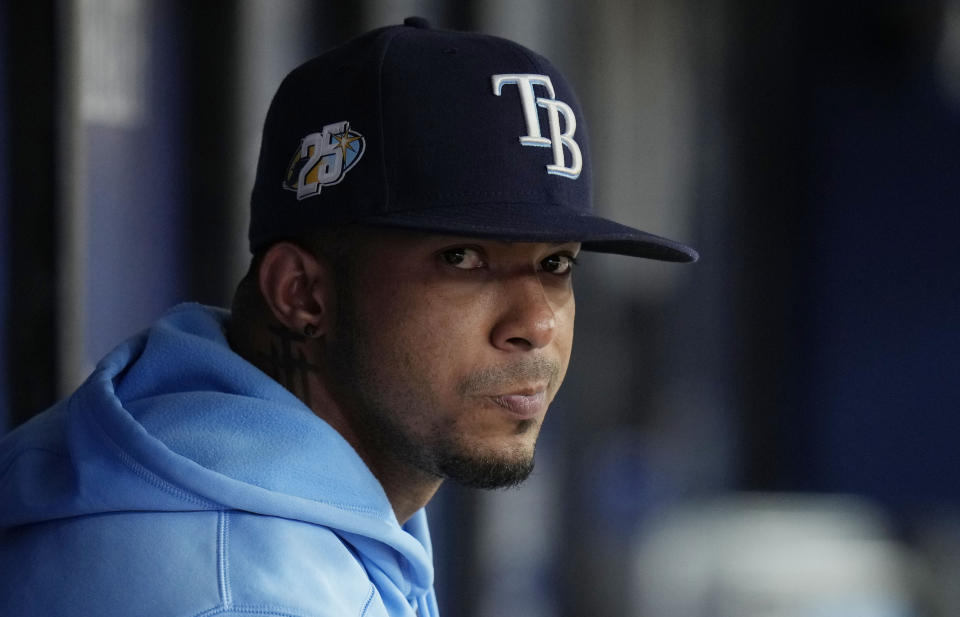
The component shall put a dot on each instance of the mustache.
(495, 379)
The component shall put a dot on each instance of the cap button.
(417, 22)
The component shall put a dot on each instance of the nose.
(527, 320)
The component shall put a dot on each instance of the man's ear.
(298, 288)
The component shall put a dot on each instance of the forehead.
(372, 239)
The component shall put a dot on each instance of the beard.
(380, 419)
(441, 455)
(484, 472)
(386, 410)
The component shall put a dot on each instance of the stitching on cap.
(383, 142)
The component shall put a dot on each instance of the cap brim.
(536, 223)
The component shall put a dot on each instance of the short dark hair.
(334, 244)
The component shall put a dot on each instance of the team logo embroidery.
(559, 139)
(323, 159)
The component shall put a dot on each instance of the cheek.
(564, 337)
(569, 312)
(435, 318)
(424, 336)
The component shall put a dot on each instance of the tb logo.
(558, 139)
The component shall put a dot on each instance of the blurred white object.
(114, 54)
(771, 556)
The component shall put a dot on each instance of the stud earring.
(310, 330)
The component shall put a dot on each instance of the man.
(420, 201)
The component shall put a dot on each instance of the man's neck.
(408, 488)
(291, 360)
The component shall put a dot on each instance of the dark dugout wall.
(848, 171)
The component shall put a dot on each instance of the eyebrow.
(550, 244)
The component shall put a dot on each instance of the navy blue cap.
(437, 131)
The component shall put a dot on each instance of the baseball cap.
(438, 131)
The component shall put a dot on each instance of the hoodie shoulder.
(222, 563)
(179, 461)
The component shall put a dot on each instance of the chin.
(502, 467)
(487, 473)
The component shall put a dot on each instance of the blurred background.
(769, 432)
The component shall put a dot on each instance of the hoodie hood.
(174, 421)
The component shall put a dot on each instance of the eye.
(463, 257)
(559, 264)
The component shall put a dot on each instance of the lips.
(523, 406)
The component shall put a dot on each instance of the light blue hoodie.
(179, 480)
